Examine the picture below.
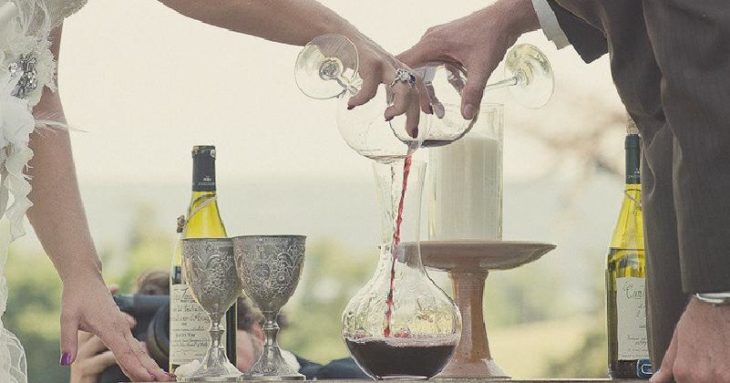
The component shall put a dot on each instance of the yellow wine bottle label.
(631, 318)
(189, 325)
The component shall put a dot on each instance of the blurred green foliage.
(331, 276)
(333, 273)
(588, 359)
(33, 312)
(35, 289)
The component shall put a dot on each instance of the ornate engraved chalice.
(210, 271)
(269, 268)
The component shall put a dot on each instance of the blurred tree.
(519, 296)
(33, 313)
(588, 360)
(332, 275)
(34, 291)
(149, 246)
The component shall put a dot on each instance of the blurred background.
(142, 85)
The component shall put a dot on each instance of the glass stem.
(331, 69)
(512, 81)
(352, 86)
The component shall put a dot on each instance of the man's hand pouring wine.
(477, 43)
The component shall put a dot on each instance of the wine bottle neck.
(633, 160)
(632, 189)
(201, 200)
(203, 218)
(628, 233)
(200, 196)
(203, 206)
(204, 174)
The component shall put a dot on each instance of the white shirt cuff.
(549, 24)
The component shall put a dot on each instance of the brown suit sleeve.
(588, 40)
(691, 44)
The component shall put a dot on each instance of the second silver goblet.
(210, 271)
(269, 268)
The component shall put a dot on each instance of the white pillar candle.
(466, 182)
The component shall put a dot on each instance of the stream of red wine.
(395, 244)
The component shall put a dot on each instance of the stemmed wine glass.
(327, 67)
(210, 271)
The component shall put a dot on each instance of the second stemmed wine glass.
(527, 74)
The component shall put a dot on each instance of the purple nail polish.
(388, 119)
(350, 107)
(65, 359)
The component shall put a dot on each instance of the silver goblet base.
(215, 368)
(271, 365)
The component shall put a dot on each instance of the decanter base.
(209, 379)
(244, 378)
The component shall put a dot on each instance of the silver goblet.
(210, 272)
(269, 268)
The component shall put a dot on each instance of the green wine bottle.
(189, 323)
(628, 354)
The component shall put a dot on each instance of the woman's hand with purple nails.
(87, 305)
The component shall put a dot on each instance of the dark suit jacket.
(588, 40)
(670, 61)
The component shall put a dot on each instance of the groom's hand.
(700, 348)
(477, 42)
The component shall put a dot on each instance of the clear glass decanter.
(400, 324)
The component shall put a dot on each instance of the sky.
(144, 84)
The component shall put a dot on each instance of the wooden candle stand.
(468, 264)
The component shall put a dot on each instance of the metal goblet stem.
(269, 268)
(210, 271)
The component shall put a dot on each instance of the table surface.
(496, 380)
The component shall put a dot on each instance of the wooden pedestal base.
(468, 264)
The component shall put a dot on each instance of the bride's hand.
(377, 67)
(87, 305)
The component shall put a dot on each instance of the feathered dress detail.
(26, 67)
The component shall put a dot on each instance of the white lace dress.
(26, 67)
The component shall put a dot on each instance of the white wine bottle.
(628, 353)
(189, 324)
